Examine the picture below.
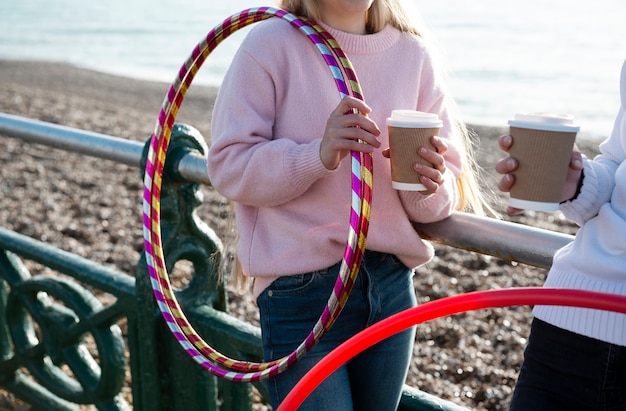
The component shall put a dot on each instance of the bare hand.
(348, 129)
(432, 177)
(508, 165)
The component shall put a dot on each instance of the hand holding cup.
(509, 166)
(540, 147)
(415, 150)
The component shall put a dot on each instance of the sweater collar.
(365, 43)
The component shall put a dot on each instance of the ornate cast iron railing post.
(164, 377)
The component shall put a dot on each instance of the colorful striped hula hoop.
(341, 69)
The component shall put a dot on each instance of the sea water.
(502, 57)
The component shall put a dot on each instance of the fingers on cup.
(441, 145)
(506, 182)
(506, 165)
(430, 173)
(505, 142)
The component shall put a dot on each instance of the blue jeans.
(372, 380)
(567, 371)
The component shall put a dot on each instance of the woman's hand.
(508, 165)
(432, 177)
(348, 129)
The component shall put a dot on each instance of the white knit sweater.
(596, 259)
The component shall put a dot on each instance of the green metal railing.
(51, 322)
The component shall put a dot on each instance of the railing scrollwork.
(49, 320)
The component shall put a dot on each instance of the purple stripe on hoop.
(152, 183)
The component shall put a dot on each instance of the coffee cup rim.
(545, 121)
(413, 119)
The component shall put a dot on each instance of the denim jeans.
(372, 380)
(567, 371)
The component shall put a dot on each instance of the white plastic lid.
(413, 118)
(545, 121)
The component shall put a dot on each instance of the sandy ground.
(92, 208)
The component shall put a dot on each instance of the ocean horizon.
(555, 56)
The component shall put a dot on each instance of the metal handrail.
(193, 167)
(502, 239)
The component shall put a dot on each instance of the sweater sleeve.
(599, 180)
(247, 164)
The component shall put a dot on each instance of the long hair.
(400, 15)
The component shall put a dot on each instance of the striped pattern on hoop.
(340, 68)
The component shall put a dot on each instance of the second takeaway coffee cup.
(408, 131)
(542, 145)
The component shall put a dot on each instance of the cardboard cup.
(542, 145)
(408, 131)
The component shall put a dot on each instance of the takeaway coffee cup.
(408, 131)
(542, 144)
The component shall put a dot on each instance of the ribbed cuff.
(303, 164)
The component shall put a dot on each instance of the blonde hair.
(397, 14)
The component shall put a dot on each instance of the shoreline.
(93, 208)
(44, 73)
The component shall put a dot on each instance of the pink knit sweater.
(268, 122)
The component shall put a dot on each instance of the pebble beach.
(93, 207)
